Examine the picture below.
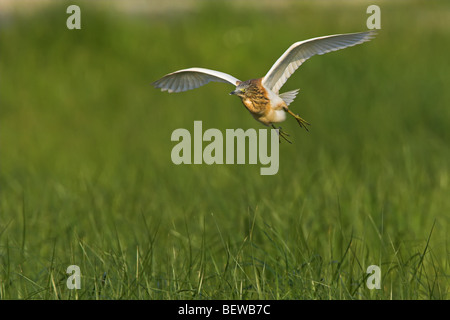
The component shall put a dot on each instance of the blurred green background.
(87, 178)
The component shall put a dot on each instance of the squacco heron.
(261, 96)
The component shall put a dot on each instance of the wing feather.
(188, 79)
(289, 96)
(175, 84)
(301, 51)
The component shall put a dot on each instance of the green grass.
(87, 179)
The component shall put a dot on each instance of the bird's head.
(241, 89)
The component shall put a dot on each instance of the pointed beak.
(233, 92)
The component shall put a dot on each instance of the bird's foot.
(302, 122)
(282, 134)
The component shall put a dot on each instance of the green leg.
(303, 123)
(282, 134)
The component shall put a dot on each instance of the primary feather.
(188, 79)
(300, 51)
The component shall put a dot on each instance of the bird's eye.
(242, 89)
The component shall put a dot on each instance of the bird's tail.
(289, 96)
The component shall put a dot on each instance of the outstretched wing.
(300, 51)
(188, 79)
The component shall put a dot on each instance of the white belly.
(278, 115)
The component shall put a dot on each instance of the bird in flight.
(261, 96)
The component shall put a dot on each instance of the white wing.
(289, 96)
(188, 79)
(300, 51)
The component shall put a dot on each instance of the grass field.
(87, 178)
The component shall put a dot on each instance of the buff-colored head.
(244, 88)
